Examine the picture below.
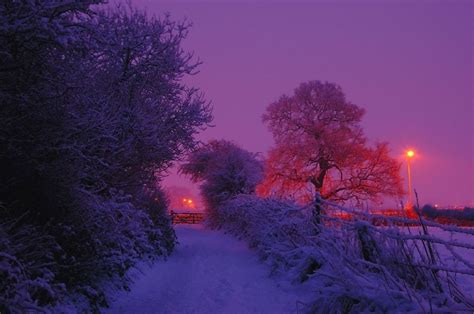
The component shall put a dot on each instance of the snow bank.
(351, 265)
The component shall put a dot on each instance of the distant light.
(410, 154)
(190, 201)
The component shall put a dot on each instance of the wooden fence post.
(317, 209)
(316, 212)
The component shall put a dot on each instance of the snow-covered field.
(210, 272)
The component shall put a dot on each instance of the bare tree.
(319, 140)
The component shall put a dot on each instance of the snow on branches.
(351, 264)
(94, 110)
(225, 171)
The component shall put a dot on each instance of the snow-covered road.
(209, 272)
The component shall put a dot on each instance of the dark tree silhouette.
(93, 110)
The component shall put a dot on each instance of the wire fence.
(434, 254)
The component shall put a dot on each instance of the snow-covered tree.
(107, 108)
(139, 115)
(319, 140)
(93, 110)
(224, 170)
(34, 37)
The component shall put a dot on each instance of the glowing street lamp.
(410, 155)
(187, 202)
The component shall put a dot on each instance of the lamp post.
(410, 155)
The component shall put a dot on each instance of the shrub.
(28, 263)
(432, 212)
(224, 170)
(93, 111)
(352, 266)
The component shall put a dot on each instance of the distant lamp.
(410, 154)
(187, 202)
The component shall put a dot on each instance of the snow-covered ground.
(210, 272)
(466, 282)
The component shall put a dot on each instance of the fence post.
(368, 245)
(316, 212)
(317, 209)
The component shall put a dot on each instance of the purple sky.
(408, 64)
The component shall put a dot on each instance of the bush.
(433, 212)
(40, 268)
(28, 263)
(224, 171)
(352, 268)
(156, 204)
(93, 111)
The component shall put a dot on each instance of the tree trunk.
(318, 180)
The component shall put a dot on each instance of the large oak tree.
(320, 146)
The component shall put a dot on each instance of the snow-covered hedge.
(27, 268)
(42, 267)
(466, 214)
(350, 267)
(93, 111)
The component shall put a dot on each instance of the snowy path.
(209, 272)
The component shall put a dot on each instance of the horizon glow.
(408, 64)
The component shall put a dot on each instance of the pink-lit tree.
(319, 140)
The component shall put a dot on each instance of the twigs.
(420, 258)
